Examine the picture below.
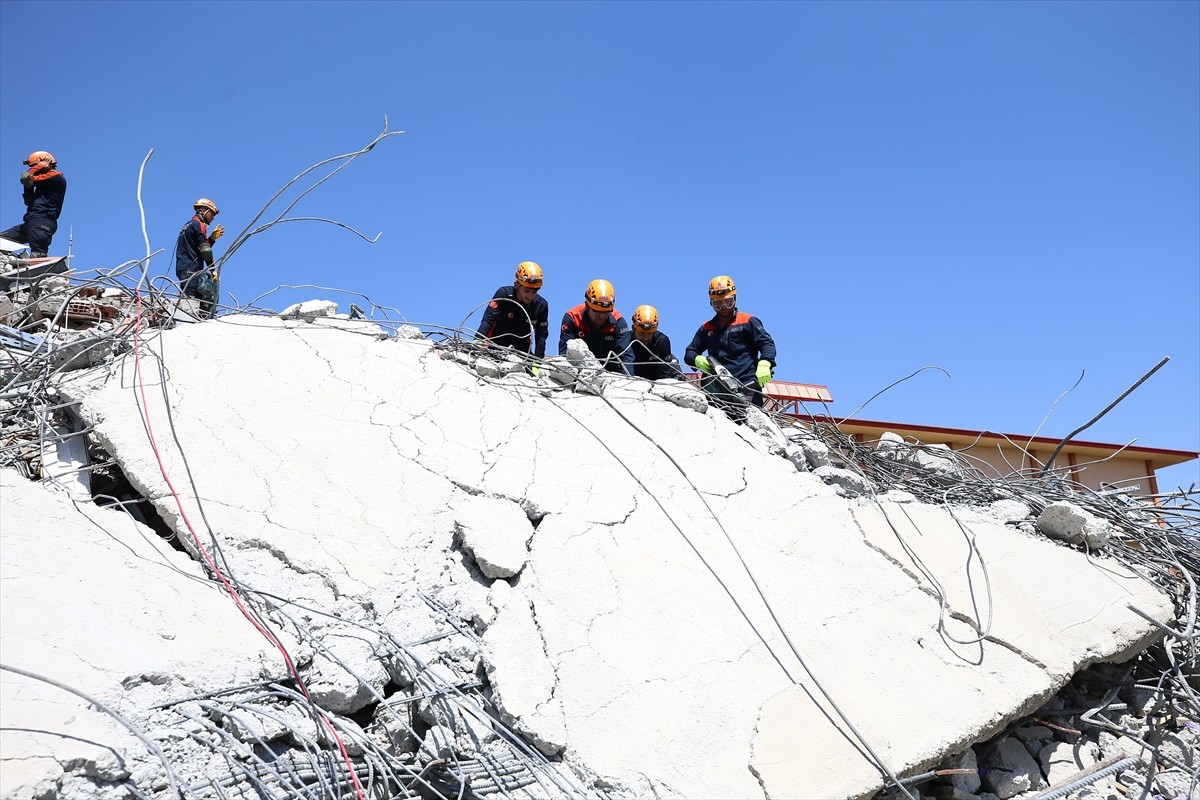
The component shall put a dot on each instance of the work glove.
(702, 364)
(26, 179)
(535, 370)
(217, 233)
(762, 373)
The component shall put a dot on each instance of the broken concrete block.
(682, 394)
(511, 364)
(580, 355)
(334, 685)
(1069, 523)
(494, 532)
(1062, 760)
(816, 451)
(438, 743)
(1009, 510)
(849, 484)
(250, 723)
(964, 782)
(309, 310)
(460, 356)
(559, 370)
(526, 701)
(409, 332)
(1012, 770)
(795, 454)
(937, 458)
(487, 368)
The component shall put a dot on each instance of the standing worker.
(44, 189)
(194, 256)
(601, 326)
(517, 316)
(652, 357)
(738, 342)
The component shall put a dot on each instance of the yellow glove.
(536, 370)
(702, 364)
(217, 233)
(763, 373)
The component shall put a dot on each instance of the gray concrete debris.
(936, 458)
(309, 310)
(487, 368)
(682, 393)
(494, 532)
(1012, 770)
(1007, 510)
(666, 578)
(796, 454)
(1062, 760)
(849, 484)
(410, 332)
(581, 356)
(1070, 523)
(559, 370)
(969, 782)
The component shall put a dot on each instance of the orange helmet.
(40, 158)
(204, 202)
(721, 287)
(646, 318)
(529, 275)
(600, 295)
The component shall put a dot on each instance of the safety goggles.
(600, 304)
(723, 303)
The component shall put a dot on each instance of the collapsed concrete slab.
(669, 608)
(98, 603)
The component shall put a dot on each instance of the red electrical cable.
(287, 659)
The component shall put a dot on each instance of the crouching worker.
(194, 257)
(652, 358)
(601, 326)
(517, 316)
(737, 341)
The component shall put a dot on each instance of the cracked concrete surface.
(627, 632)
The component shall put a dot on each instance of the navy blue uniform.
(43, 203)
(506, 321)
(193, 258)
(737, 346)
(609, 343)
(653, 360)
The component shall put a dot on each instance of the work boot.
(37, 253)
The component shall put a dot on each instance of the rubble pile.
(487, 582)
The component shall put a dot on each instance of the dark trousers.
(200, 286)
(35, 232)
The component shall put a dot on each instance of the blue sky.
(1009, 191)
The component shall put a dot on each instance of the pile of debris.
(436, 733)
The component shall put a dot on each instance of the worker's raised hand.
(762, 373)
(702, 364)
(26, 179)
(217, 232)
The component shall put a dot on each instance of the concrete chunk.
(1070, 523)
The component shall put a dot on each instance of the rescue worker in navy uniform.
(194, 256)
(44, 189)
(652, 358)
(517, 316)
(601, 326)
(738, 342)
